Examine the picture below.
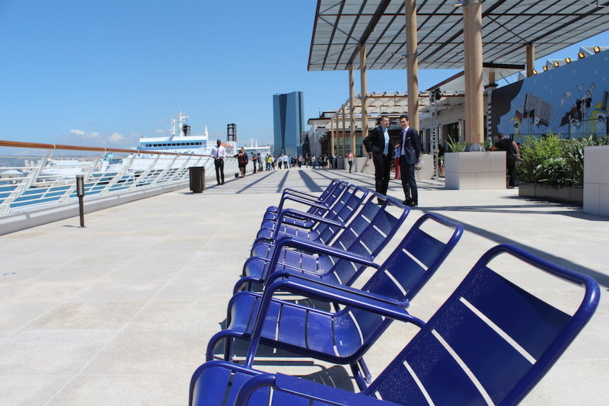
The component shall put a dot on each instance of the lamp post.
(434, 96)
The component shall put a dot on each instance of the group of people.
(378, 143)
(404, 154)
(407, 152)
(261, 163)
(218, 153)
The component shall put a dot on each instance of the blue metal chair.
(366, 234)
(491, 342)
(311, 227)
(305, 198)
(341, 337)
(320, 206)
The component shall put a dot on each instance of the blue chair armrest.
(308, 216)
(308, 246)
(344, 295)
(316, 248)
(301, 200)
(304, 389)
(304, 216)
(312, 289)
(327, 288)
(209, 354)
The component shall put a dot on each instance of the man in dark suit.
(409, 156)
(381, 147)
(512, 153)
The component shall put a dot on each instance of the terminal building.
(487, 42)
(569, 98)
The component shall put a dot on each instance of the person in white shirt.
(218, 152)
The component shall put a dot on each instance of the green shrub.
(554, 171)
(455, 146)
(553, 161)
(536, 151)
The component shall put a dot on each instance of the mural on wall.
(571, 100)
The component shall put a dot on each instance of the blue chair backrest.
(404, 272)
(492, 330)
(329, 197)
(345, 208)
(367, 234)
(327, 192)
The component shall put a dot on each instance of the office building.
(288, 117)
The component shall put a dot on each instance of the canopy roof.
(507, 27)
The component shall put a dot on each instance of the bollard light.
(80, 192)
(80, 185)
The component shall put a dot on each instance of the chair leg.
(228, 348)
(361, 373)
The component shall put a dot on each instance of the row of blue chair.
(489, 343)
(368, 229)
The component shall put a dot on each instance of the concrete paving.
(120, 312)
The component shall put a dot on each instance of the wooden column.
(412, 60)
(352, 108)
(530, 59)
(474, 98)
(363, 69)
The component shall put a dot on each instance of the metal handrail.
(50, 178)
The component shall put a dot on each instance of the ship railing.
(34, 176)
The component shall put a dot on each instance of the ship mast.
(176, 125)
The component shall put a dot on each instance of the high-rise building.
(288, 117)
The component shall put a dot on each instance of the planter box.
(563, 194)
(363, 165)
(476, 170)
(596, 180)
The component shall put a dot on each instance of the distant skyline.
(106, 73)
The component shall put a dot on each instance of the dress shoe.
(410, 203)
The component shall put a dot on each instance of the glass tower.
(288, 117)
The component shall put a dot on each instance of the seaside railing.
(36, 175)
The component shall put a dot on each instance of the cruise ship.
(180, 140)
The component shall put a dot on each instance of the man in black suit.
(381, 147)
(512, 153)
(409, 156)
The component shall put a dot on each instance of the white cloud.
(95, 139)
(80, 134)
(115, 138)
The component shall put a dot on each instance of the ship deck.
(120, 312)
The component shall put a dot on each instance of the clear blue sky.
(104, 73)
